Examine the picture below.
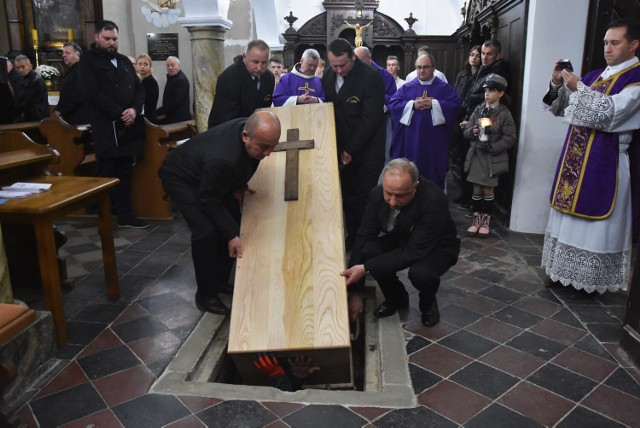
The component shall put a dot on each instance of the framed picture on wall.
(58, 22)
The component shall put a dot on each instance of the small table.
(66, 195)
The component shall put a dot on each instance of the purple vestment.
(422, 142)
(389, 82)
(294, 84)
(586, 176)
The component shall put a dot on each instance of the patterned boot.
(483, 231)
(475, 224)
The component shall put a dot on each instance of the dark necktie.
(257, 82)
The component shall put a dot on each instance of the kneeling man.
(406, 224)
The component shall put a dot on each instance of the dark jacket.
(422, 227)
(236, 94)
(151, 95)
(110, 90)
(72, 106)
(175, 99)
(216, 164)
(16, 82)
(502, 136)
(33, 102)
(476, 93)
(358, 109)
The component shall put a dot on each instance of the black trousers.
(209, 250)
(357, 179)
(120, 195)
(424, 274)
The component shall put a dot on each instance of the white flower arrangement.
(47, 72)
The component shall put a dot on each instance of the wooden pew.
(147, 195)
(63, 138)
(289, 297)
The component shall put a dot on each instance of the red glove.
(268, 364)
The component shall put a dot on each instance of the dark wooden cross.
(292, 146)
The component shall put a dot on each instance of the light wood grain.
(289, 297)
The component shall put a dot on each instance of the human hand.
(235, 248)
(267, 364)
(239, 194)
(128, 116)
(356, 305)
(422, 103)
(345, 158)
(570, 79)
(354, 274)
(302, 366)
(556, 74)
(307, 99)
(463, 124)
(475, 131)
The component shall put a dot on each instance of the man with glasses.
(423, 113)
(357, 92)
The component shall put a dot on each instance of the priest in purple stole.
(588, 239)
(423, 113)
(300, 85)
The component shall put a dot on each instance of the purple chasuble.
(294, 84)
(586, 176)
(421, 142)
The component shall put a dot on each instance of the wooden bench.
(289, 297)
(148, 198)
(63, 138)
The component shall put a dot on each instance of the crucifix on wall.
(292, 146)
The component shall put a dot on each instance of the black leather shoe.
(211, 304)
(431, 316)
(387, 309)
(228, 289)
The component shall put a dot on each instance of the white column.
(555, 30)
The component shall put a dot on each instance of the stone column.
(207, 59)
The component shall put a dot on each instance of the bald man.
(175, 99)
(207, 177)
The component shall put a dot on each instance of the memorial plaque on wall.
(160, 46)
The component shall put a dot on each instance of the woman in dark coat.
(150, 84)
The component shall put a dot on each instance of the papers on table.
(21, 190)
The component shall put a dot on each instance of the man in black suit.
(110, 84)
(357, 92)
(244, 86)
(175, 99)
(207, 177)
(32, 103)
(406, 225)
(71, 106)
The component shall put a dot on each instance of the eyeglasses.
(423, 67)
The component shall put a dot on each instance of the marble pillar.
(6, 293)
(207, 58)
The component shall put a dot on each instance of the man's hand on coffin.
(268, 364)
(345, 158)
(239, 194)
(302, 366)
(235, 248)
(354, 274)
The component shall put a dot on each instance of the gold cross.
(424, 95)
(306, 88)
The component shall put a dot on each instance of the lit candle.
(34, 36)
(70, 34)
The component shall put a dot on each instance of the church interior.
(98, 324)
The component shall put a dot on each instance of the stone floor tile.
(313, 416)
(458, 316)
(494, 329)
(500, 416)
(67, 405)
(623, 381)
(585, 418)
(605, 332)
(469, 283)
(105, 340)
(103, 418)
(70, 376)
(369, 413)
(195, 404)
(417, 417)
(440, 360)
(156, 347)
(422, 379)
(512, 361)
(151, 410)
(437, 332)
(565, 316)
(480, 304)
(134, 311)
(416, 343)
(616, 404)
(536, 345)
(536, 403)
(138, 328)
(484, 380)
(469, 344)
(107, 362)
(453, 401)
(192, 421)
(585, 364)
(563, 382)
(558, 331)
(125, 385)
(538, 306)
(517, 317)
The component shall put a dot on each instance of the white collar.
(613, 69)
(426, 82)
